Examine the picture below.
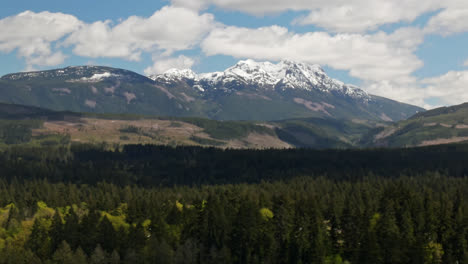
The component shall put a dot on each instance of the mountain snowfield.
(249, 90)
(283, 75)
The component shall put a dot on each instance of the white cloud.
(161, 65)
(167, 30)
(352, 16)
(32, 34)
(449, 88)
(364, 15)
(334, 15)
(260, 7)
(465, 63)
(369, 57)
(449, 21)
(410, 92)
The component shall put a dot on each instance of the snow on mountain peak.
(285, 74)
(97, 77)
(175, 74)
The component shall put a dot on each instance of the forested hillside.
(26, 125)
(306, 220)
(153, 204)
(437, 126)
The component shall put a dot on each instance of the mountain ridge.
(285, 74)
(248, 90)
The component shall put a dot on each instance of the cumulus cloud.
(169, 29)
(333, 15)
(451, 20)
(411, 91)
(32, 34)
(39, 38)
(352, 16)
(161, 65)
(364, 15)
(449, 88)
(369, 57)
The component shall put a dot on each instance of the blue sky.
(410, 51)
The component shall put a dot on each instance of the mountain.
(265, 76)
(253, 90)
(90, 89)
(438, 126)
(248, 90)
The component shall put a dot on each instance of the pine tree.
(106, 235)
(71, 229)
(80, 257)
(114, 258)
(187, 253)
(64, 255)
(39, 240)
(99, 256)
(388, 234)
(89, 232)
(56, 232)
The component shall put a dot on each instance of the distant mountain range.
(248, 90)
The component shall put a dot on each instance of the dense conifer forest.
(153, 204)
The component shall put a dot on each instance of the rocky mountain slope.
(248, 90)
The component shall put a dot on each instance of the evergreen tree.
(57, 232)
(64, 255)
(39, 240)
(106, 235)
(80, 257)
(99, 256)
(71, 229)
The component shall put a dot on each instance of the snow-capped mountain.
(265, 75)
(249, 90)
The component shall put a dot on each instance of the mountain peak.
(286, 74)
(175, 74)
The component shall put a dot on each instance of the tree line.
(149, 165)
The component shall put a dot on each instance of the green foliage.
(118, 221)
(267, 214)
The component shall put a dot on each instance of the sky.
(412, 51)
